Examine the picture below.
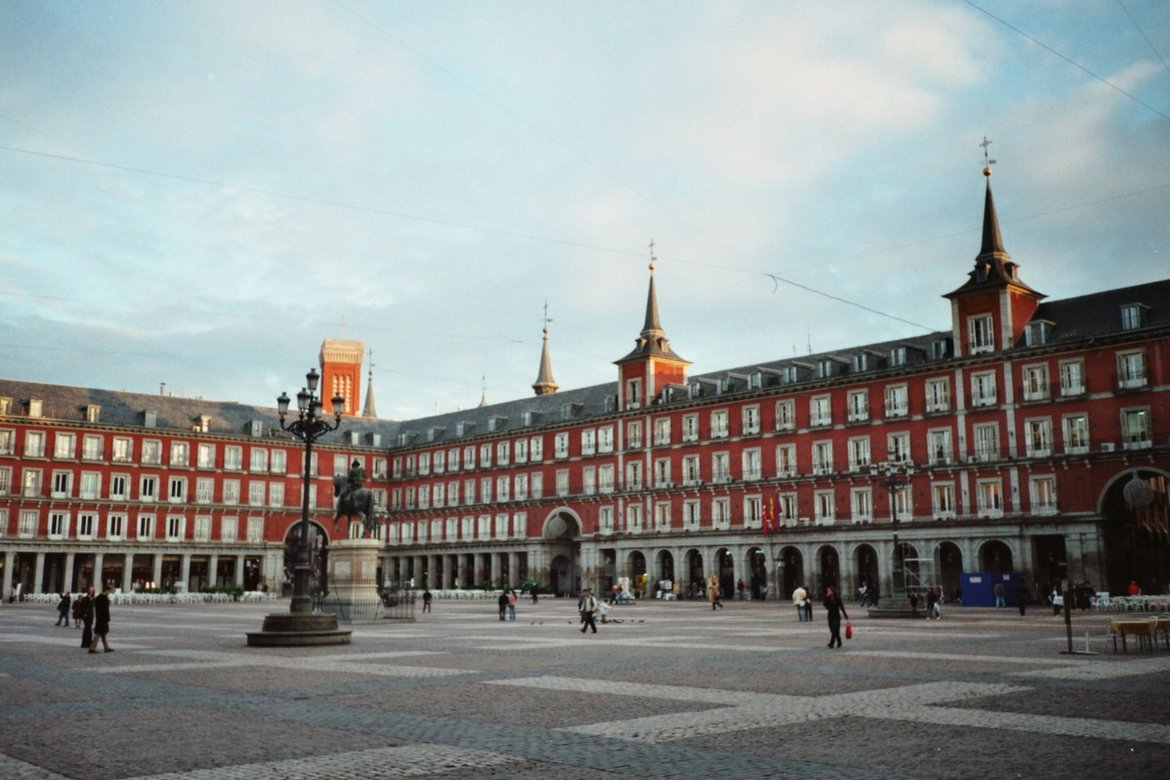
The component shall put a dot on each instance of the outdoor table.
(1139, 628)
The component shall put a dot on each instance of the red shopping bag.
(848, 629)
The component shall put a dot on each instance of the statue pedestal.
(353, 581)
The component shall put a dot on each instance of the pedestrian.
(835, 608)
(913, 604)
(535, 590)
(87, 617)
(587, 605)
(740, 586)
(1022, 596)
(427, 600)
(932, 608)
(101, 623)
(799, 596)
(1057, 601)
(76, 610)
(63, 610)
(511, 605)
(998, 590)
(713, 592)
(502, 601)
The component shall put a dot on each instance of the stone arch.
(1135, 512)
(995, 555)
(561, 524)
(828, 569)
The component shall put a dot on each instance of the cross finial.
(653, 259)
(546, 319)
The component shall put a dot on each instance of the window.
(34, 444)
(469, 455)
(939, 441)
(62, 484)
(822, 457)
(536, 449)
(938, 395)
(91, 448)
(58, 525)
(1042, 490)
(151, 452)
(750, 419)
(1132, 316)
(588, 441)
(7, 440)
(861, 505)
(634, 435)
(859, 457)
(31, 483)
(942, 500)
(485, 490)
(258, 461)
(634, 475)
(120, 487)
(634, 518)
(983, 388)
(485, 456)
(91, 482)
(453, 493)
(202, 528)
(1039, 437)
(898, 447)
(115, 526)
(1135, 429)
(989, 497)
(721, 513)
(751, 464)
(561, 445)
(662, 516)
(662, 473)
(469, 491)
(231, 492)
(605, 439)
(786, 460)
(440, 460)
(229, 529)
(205, 456)
(605, 520)
(858, 405)
(720, 468)
(256, 490)
(175, 528)
(562, 482)
(1131, 369)
(589, 480)
(27, 524)
(825, 505)
(145, 527)
(521, 487)
(897, 401)
(123, 450)
(503, 485)
(662, 431)
(786, 508)
(1037, 333)
(5, 486)
(986, 442)
(233, 458)
(180, 453)
(204, 490)
(691, 515)
(605, 477)
(64, 445)
(819, 411)
(785, 415)
(148, 488)
(86, 525)
(1072, 377)
(503, 451)
(177, 490)
(690, 427)
(633, 393)
(980, 334)
(1075, 428)
(690, 468)
(1035, 383)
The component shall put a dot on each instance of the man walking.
(799, 596)
(63, 610)
(86, 612)
(588, 606)
(101, 623)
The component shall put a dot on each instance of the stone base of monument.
(896, 607)
(299, 630)
(353, 581)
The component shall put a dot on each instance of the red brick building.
(1032, 437)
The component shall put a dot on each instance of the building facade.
(1032, 437)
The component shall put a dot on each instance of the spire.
(992, 240)
(545, 384)
(653, 326)
(368, 410)
(483, 393)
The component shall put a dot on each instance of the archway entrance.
(950, 570)
(865, 563)
(995, 556)
(1137, 532)
(830, 570)
(694, 583)
(791, 571)
(561, 532)
(664, 572)
(636, 565)
(726, 571)
(757, 566)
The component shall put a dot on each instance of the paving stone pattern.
(673, 690)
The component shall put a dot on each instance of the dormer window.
(92, 413)
(898, 356)
(34, 407)
(1038, 333)
(980, 334)
(1133, 316)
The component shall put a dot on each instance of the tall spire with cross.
(545, 384)
(368, 410)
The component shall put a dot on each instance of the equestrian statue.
(353, 499)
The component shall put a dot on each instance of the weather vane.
(546, 317)
(987, 161)
(653, 259)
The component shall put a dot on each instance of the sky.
(198, 193)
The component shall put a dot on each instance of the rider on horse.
(354, 479)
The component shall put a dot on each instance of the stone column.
(127, 572)
(39, 574)
(353, 587)
(497, 570)
(239, 571)
(186, 572)
(69, 584)
(155, 569)
(98, 561)
(213, 570)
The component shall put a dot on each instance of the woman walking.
(835, 608)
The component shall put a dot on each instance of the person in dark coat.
(63, 610)
(835, 608)
(1022, 596)
(101, 621)
(86, 610)
(503, 602)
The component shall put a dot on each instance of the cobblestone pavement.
(673, 690)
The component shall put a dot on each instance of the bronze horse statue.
(359, 503)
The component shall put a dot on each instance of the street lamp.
(309, 425)
(894, 475)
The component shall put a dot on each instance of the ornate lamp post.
(894, 475)
(309, 426)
